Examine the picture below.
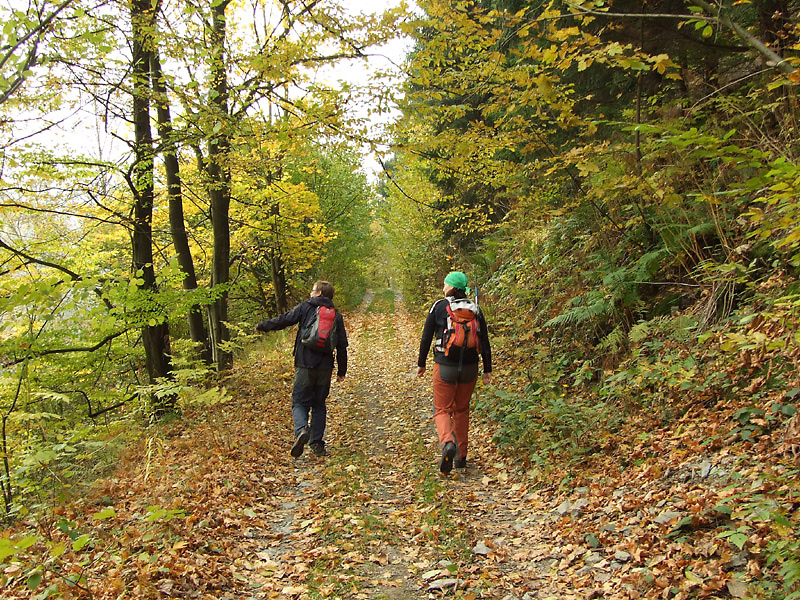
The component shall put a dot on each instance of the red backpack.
(319, 334)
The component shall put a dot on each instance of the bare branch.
(52, 351)
(773, 59)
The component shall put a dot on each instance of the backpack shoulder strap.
(435, 304)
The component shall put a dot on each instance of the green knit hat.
(457, 280)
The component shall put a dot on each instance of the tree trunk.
(277, 268)
(279, 281)
(155, 337)
(180, 240)
(220, 190)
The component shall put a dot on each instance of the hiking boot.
(318, 448)
(460, 463)
(300, 443)
(448, 452)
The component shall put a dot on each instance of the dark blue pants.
(311, 388)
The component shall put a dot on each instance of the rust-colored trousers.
(451, 410)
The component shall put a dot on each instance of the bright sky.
(356, 72)
(387, 57)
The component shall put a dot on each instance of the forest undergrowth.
(213, 506)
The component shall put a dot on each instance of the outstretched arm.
(281, 322)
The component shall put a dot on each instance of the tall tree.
(279, 234)
(346, 202)
(180, 239)
(155, 329)
(219, 186)
(266, 65)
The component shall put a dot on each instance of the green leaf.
(105, 514)
(7, 548)
(781, 520)
(738, 540)
(10, 547)
(34, 580)
(690, 575)
(684, 522)
(27, 542)
(81, 542)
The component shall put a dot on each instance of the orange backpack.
(462, 327)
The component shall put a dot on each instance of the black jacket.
(435, 324)
(305, 357)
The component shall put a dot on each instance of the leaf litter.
(220, 509)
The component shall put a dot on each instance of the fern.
(614, 341)
(585, 308)
(620, 276)
(623, 289)
(701, 229)
(639, 332)
(680, 327)
(649, 264)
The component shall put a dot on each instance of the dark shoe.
(460, 463)
(448, 452)
(299, 443)
(318, 448)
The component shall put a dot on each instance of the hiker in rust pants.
(455, 370)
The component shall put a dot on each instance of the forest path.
(375, 519)
(212, 505)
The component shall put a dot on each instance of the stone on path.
(443, 584)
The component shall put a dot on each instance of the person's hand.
(257, 329)
(420, 371)
(340, 378)
(487, 378)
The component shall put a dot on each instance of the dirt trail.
(375, 519)
(213, 507)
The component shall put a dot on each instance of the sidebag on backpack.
(320, 332)
(462, 327)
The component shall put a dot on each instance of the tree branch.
(45, 263)
(52, 351)
(74, 276)
(773, 59)
(31, 58)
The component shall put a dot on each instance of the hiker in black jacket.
(313, 369)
